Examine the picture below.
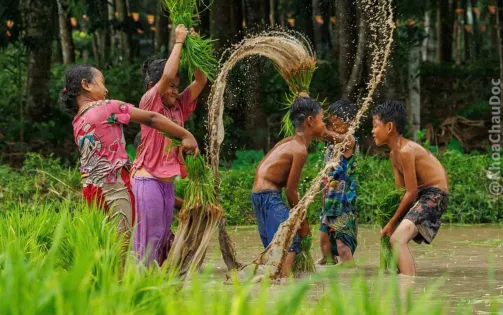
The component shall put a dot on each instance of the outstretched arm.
(197, 86)
(164, 124)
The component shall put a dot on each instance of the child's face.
(96, 88)
(336, 124)
(317, 125)
(380, 131)
(171, 95)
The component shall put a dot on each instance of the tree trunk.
(495, 42)
(37, 16)
(256, 123)
(477, 43)
(445, 23)
(356, 72)
(161, 30)
(459, 34)
(272, 12)
(346, 34)
(469, 31)
(112, 32)
(426, 43)
(125, 44)
(65, 33)
(317, 26)
(303, 16)
(414, 85)
(225, 23)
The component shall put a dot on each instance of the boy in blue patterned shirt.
(338, 217)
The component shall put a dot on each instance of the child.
(281, 167)
(423, 177)
(338, 218)
(153, 180)
(97, 128)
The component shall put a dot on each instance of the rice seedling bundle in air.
(198, 217)
(298, 77)
(197, 50)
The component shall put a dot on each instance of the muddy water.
(460, 257)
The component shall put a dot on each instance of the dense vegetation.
(44, 181)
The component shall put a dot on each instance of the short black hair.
(302, 108)
(344, 109)
(73, 85)
(137, 140)
(152, 70)
(392, 111)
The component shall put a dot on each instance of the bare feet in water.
(323, 261)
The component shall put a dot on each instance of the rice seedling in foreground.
(199, 216)
(67, 262)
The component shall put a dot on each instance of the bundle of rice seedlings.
(298, 77)
(197, 51)
(304, 261)
(198, 217)
(383, 213)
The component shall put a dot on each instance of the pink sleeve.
(150, 99)
(187, 106)
(119, 112)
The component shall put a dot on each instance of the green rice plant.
(303, 260)
(298, 78)
(382, 214)
(197, 50)
(198, 217)
(37, 278)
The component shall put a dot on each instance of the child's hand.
(304, 229)
(193, 32)
(181, 33)
(189, 145)
(388, 230)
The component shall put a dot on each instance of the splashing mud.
(289, 52)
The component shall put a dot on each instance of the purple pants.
(155, 202)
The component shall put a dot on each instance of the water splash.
(290, 51)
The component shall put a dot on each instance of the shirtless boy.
(422, 176)
(282, 167)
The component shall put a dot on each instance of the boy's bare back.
(429, 172)
(286, 159)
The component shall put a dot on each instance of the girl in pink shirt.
(97, 128)
(154, 169)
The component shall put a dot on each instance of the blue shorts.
(271, 211)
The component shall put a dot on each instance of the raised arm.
(163, 124)
(197, 86)
(171, 67)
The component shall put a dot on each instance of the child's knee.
(343, 250)
(397, 239)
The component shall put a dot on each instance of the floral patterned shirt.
(98, 134)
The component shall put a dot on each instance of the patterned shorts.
(427, 212)
(343, 228)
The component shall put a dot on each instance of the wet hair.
(302, 108)
(392, 111)
(343, 109)
(73, 85)
(152, 70)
